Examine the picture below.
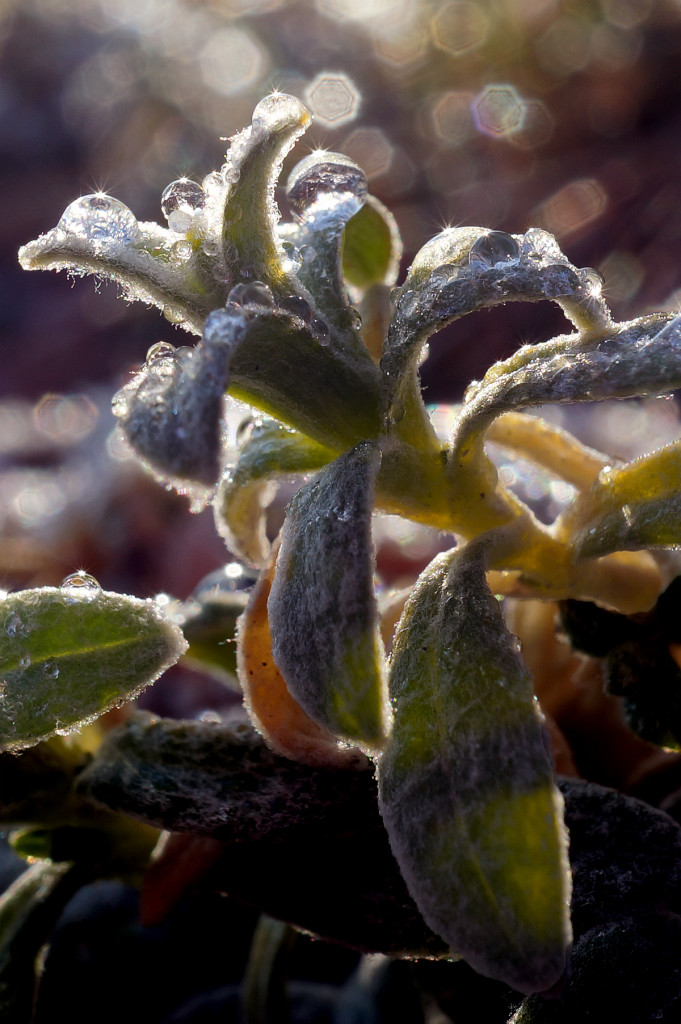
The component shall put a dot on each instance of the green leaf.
(245, 492)
(69, 653)
(322, 608)
(29, 910)
(371, 246)
(466, 786)
(630, 507)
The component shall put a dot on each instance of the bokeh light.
(232, 60)
(459, 27)
(573, 207)
(499, 111)
(334, 99)
(370, 148)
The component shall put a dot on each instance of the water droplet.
(181, 251)
(444, 274)
(492, 248)
(320, 331)
(161, 350)
(308, 254)
(213, 182)
(298, 306)
(230, 578)
(15, 626)
(395, 294)
(408, 302)
(211, 247)
(423, 355)
(244, 430)
(24, 661)
(540, 244)
(256, 292)
(173, 314)
(100, 218)
(279, 109)
(80, 581)
(325, 174)
(182, 194)
(294, 259)
(355, 320)
(593, 280)
(51, 669)
(180, 221)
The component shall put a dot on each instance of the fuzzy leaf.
(630, 507)
(469, 268)
(67, 654)
(245, 492)
(322, 608)
(639, 357)
(466, 786)
(371, 246)
(272, 709)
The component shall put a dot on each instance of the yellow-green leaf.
(466, 786)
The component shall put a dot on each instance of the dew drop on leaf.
(298, 306)
(492, 248)
(320, 331)
(181, 251)
(256, 292)
(355, 320)
(594, 280)
(15, 626)
(182, 194)
(161, 350)
(315, 177)
(51, 670)
(100, 218)
(173, 315)
(80, 581)
(444, 274)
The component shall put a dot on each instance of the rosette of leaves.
(304, 322)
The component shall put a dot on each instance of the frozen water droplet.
(211, 247)
(423, 355)
(80, 581)
(15, 626)
(298, 306)
(51, 670)
(294, 259)
(355, 320)
(256, 292)
(320, 331)
(594, 281)
(408, 302)
(180, 221)
(325, 174)
(443, 274)
(173, 314)
(161, 350)
(100, 218)
(24, 661)
(395, 294)
(182, 194)
(492, 248)
(181, 251)
(213, 182)
(120, 404)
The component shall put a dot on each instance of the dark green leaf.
(67, 654)
(371, 246)
(322, 607)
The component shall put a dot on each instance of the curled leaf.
(372, 246)
(69, 653)
(465, 783)
(281, 720)
(322, 608)
(170, 412)
(244, 492)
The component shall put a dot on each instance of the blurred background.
(502, 113)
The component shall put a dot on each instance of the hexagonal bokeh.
(232, 60)
(499, 110)
(452, 118)
(573, 206)
(334, 99)
(370, 148)
(460, 27)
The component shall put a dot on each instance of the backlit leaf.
(466, 786)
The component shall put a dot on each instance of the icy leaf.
(325, 191)
(29, 910)
(638, 357)
(465, 783)
(630, 507)
(282, 721)
(322, 608)
(371, 246)
(87, 240)
(469, 268)
(69, 653)
(244, 493)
